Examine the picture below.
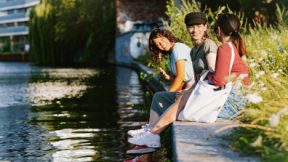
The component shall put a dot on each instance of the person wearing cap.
(204, 57)
(204, 51)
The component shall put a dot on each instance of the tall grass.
(263, 125)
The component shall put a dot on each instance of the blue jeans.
(234, 104)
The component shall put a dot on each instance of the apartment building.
(14, 19)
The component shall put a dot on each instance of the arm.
(164, 74)
(220, 76)
(211, 61)
(180, 71)
(210, 49)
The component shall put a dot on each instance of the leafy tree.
(65, 32)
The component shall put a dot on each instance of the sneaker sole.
(153, 145)
(141, 151)
(135, 135)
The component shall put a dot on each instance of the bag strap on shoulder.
(232, 56)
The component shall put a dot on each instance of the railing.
(141, 26)
(13, 17)
(17, 4)
(12, 31)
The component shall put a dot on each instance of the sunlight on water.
(69, 73)
(73, 145)
(70, 133)
(59, 85)
(45, 93)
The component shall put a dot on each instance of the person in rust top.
(220, 76)
(227, 31)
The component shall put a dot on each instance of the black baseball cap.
(194, 18)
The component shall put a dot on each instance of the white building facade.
(14, 19)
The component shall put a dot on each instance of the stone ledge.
(197, 142)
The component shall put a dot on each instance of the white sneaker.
(139, 132)
(147, 138)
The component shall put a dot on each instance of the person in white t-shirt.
(163, 42)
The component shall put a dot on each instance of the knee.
(172, 118)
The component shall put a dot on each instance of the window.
(21, 10)
(10, 24)
(22, 23)
(9, 12)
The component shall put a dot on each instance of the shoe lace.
(146, 127)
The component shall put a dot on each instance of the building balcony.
(13, 31)
(18, 17)
(17, 4)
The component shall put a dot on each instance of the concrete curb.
(198, 142)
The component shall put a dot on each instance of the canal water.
(67, 114)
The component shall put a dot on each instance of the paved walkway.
(197, 142)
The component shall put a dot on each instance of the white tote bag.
(205, 102)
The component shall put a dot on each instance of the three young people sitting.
(166, 106)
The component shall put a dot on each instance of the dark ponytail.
(239, 43)
(230, 26)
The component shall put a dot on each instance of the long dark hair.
(154, 51)
(230, 26)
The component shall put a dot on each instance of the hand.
(164, 74)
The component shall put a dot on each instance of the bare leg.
(153, 119)
(170, 114)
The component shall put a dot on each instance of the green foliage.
(282, 14)
(6, 47)
(166, 140)
(146, 77)
(72, 31)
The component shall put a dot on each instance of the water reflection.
(130, 97)
(66, 114)
(73, 145)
